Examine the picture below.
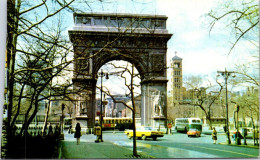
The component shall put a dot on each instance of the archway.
(116, 84)
(138, 39)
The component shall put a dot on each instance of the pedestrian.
(50, 132)
(214, 135)
(77, 132)
(57, 131)
(70, 129)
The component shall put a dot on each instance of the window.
(136, 23)
(86, 21)
(98, 20)
(113, 22)
(144, 23)
(155, 23)
(127, 22)
(177, 73)
(177, 65)
(106, 21)
(177, 86)
(176, 80)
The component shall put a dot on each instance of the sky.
(202, 53)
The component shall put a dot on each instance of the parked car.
(145, 132)
(193, 132)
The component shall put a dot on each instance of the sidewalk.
(86, 150)
(250, 144)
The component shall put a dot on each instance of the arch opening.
(118, 86)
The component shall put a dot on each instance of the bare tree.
(37, 53)
(23, 27)
(241, 16)
(124, 72)
(249, 106)
(201, 99)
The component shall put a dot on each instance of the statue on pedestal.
(158, 103)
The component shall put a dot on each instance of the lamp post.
(226, 74)
(62, 116)
(238, 140)
(101, 102)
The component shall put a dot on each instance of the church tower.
(177, 89)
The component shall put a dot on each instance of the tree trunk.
(210, 124)
(12, 17)
(133, 115)
(46, 117)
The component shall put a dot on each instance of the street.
(178, 145)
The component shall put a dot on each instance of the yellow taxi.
(127, 131)
(144, 133)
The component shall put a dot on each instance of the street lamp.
(101, 101)
(62, 116)
(226, 74)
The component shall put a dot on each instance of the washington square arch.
(139, 39)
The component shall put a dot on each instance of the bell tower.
(177, 90)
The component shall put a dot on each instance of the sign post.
(169, 128)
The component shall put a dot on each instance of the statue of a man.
(157, 104)
(161, 104)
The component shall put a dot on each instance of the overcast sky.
(202, 54)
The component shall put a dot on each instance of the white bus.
(184, 124)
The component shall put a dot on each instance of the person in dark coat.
(77, 132)
(50, 132)
(214, 135)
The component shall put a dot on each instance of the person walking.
(214, 135)
(70, 129)
(77, 132)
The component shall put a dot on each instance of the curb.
(242, 145)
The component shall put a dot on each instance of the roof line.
(120, 15)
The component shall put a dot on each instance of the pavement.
(88, 149)
(249, 144)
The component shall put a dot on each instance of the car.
(193, 132)
(144, 133)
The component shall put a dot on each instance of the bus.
(184, 124)
(115, 123)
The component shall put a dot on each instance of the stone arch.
(145, 46)
(136, 62)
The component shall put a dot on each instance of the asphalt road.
(178, 145)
